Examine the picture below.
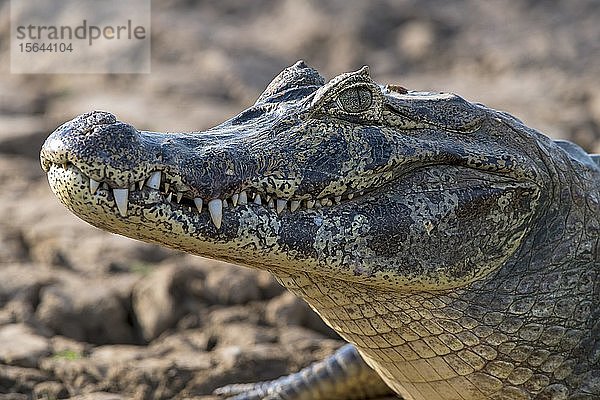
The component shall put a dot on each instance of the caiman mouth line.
(158, 183)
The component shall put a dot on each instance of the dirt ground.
(89, 315)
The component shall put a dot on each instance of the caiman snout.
(186, 170)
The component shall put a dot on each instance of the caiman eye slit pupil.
(355, 99)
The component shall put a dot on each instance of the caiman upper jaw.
(116, 159)
(157, 184)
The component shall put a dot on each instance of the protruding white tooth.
(281, 205)
(268, 199)
(170, 197)
(234, 199)
(310, 203)
(167, 187)
(132, 187)
(94, 185)
(338, 199)
(243, 198)
(141, 184)
(154, 180)
(198, 202)
(271, 203)
(257, 199)
(179, 196)
(350, 196)
(121, 198)
(225, 205)
(361, 192)
(65, 165)
(294, 205)
(215, 208)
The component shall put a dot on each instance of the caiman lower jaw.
(155, 189)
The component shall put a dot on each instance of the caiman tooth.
(132, 187)
(337, 199)
(215, 208)
(243, 198)
(167, 187)
(94, 185)
(141, 184)
(281, 205)
(294, 204)
(271, 203)
(121, 198)
(234, 199)
(154, 180)
(179, 196)
(257, 199)
(350, 196)
(170, 197)
(225, 205)
(310, 203)
(198, 202)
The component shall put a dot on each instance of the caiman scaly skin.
(457, 249)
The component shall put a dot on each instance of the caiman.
(455, 248)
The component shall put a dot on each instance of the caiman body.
(457, 249)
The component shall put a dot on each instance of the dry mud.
(89, 315)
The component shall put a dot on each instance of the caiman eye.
(355, 99)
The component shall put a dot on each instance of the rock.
(269, 287)
(160, 299)
(118, 354)
(22, 347)
(62, 345)
(232, 285)
(15, 396)
(193, 341)
(50, 390)
(138, 372)
(235, 364)
(93, 311)
(244, 335)
(13, 248)
(19, 291)
(99, 396)
(234, 314)
(21, 381)
(23, 281)
(288, 309)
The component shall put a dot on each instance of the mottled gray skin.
(456, 248)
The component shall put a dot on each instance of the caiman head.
(346, 179)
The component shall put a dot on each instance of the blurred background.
(84, 312)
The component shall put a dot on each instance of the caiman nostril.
(89, 121)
